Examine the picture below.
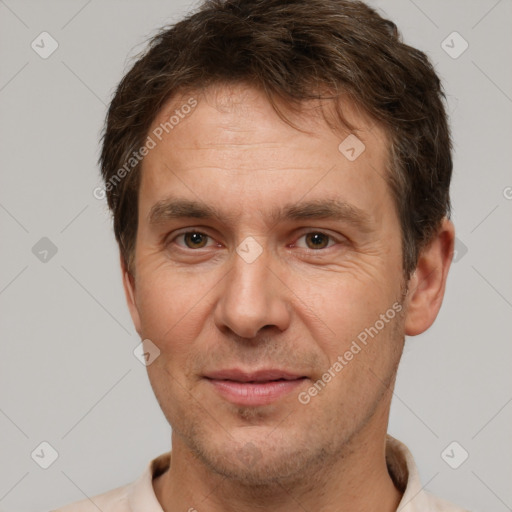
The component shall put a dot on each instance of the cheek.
(363, 342)
(342, 306)
(171, 309)
(363, 355)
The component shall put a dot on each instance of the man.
(279, 174)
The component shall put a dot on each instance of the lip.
(261, 387)
(263, 375)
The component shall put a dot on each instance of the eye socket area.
(318, 239)
(314, 240)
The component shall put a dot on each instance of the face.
(268, 273)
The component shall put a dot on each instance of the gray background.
(68, 375)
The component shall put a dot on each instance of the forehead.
(238, 109)
(230, 139)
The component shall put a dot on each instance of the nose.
(252, 297)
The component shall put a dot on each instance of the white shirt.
(139, 496)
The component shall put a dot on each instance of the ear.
(129, 292)
(427, 284)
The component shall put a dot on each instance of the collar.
(400, 462)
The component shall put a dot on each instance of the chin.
(260, 463)
(267, 471)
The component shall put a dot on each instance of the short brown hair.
(292, 50)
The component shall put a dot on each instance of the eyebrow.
(328, 209)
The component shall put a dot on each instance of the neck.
(356, 480)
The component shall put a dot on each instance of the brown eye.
(316, 240)
(195, 240)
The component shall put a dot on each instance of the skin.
(296, 307)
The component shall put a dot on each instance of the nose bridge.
(252, 296)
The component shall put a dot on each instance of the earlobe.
(129, 291)
(427, 284)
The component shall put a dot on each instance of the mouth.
(258, 388)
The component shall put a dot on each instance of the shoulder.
(437, 504)
(114, 500)
(137, 495)
(402, 469)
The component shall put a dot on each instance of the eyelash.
(330, 237)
